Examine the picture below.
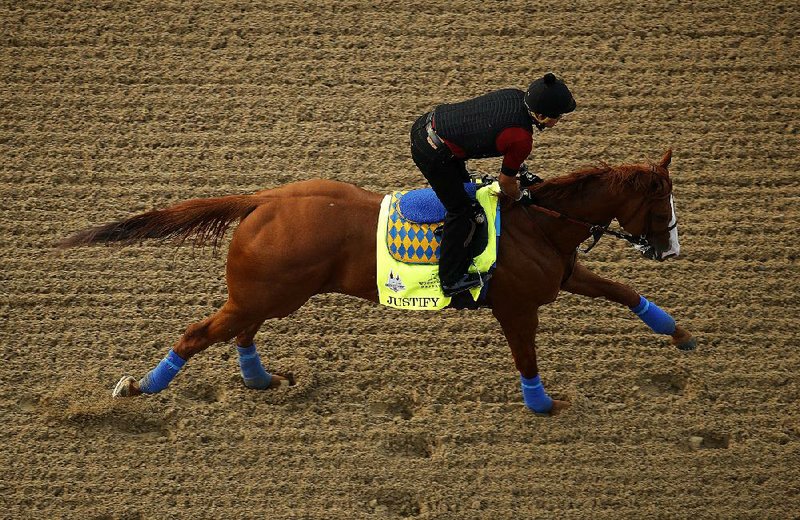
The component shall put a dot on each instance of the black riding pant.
(447, 174)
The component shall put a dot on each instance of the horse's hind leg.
(253, 373)
(220, 326)
(586, 283)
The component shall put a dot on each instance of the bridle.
(597, 231)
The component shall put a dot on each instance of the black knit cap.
(549, 96)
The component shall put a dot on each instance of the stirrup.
(465, 283)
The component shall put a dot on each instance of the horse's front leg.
(586, 283)
(519, 328)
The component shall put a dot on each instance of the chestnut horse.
(286, 250)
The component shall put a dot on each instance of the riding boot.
(458, 231)
(480, 238)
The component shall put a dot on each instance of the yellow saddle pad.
(408, 255)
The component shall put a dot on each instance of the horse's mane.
(646, 178)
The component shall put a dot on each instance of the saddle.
(413, 234)
(424, 207)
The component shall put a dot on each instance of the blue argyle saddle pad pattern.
(411, 242)
(414, 217)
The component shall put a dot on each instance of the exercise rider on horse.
(496, 124)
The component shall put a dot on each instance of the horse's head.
(638, 196)
(650, 214)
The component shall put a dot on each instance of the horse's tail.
(205, 219)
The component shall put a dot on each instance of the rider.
(499, 123)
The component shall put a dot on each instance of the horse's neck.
(594, 206)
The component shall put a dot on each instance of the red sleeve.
(515, 144)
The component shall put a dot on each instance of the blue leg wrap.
(655, 318)
(157, 379)
(253, 371)
(534, 395)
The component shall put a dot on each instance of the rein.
(595, 230)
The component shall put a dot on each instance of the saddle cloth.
(408, 247)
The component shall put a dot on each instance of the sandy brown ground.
(110, 108)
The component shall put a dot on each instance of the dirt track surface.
(116, 108)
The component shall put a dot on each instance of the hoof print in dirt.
(412, 444)
(202, 392)
(396, 503)
(665, 384)
(394, 409)
(709, 441)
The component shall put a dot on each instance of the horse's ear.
(666, 159)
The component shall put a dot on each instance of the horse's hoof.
(258, 383)
(687, 346)
(124, 387)
(558, 407)
(283, 380)
(276, 381)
